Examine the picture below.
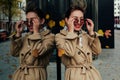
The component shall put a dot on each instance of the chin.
(31, 30)
(77, 29)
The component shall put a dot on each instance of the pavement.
(108, 62)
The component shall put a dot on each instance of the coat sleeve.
(15, 46)
(94, 43)
(67, 43)
(40, 43)
(47, 44)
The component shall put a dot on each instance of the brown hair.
(71, 9)
(31, 7)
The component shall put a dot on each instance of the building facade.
(116, 8)
(117, 14)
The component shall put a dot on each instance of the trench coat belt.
(25, 68)
(82, 67)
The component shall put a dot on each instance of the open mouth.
(30, 27)
(77, 25)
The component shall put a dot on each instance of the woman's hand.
(37, 22)
(70, 24)
(19, 28)
(36, 25)
(90, 26)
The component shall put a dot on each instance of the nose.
(79, 21)
(30, 22)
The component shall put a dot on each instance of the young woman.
(33, 49)
(76, 47)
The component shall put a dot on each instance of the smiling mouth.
(77, 26)
(30, 27)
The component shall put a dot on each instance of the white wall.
(116, 7)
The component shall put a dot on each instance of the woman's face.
(78, 21)
(30, 16)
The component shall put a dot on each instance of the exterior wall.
(117, 14)
(116, 8)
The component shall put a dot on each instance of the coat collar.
(64, 32)
(45, 32)
(38, 36)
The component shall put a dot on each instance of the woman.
(33, 49)
(76, 47)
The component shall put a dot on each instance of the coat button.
(20, 68)
(29, 53)
(90, 67)
(88, 53)
(22, 54)
(79, 52)
(27, 68)
(81, 67)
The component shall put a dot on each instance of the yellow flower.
(100, 31)
(62, 23)
(107, 46)
(51, 23)
(61, 52)
(47, 16)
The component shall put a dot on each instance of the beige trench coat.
(77, 56)
(34, 51)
